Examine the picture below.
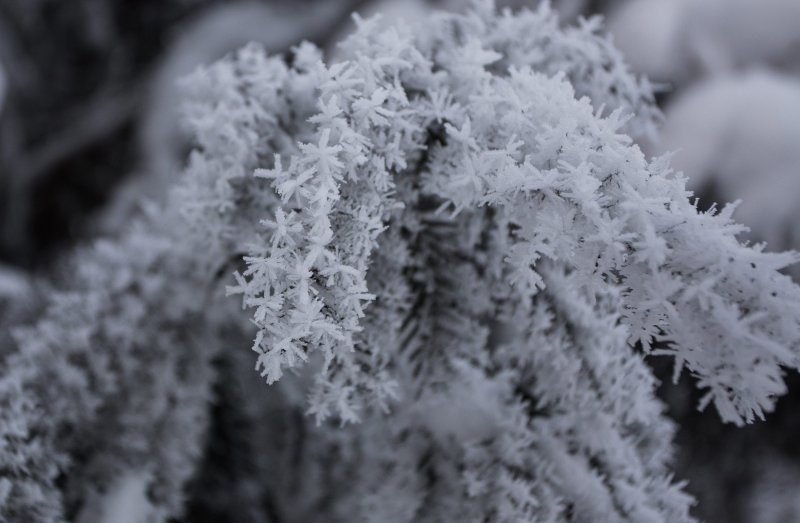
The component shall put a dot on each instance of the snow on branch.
(446, 242)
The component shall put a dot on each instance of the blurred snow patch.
(13, 283)
(734, 33)
(676, 39)
(568, 10)
(646, 31)
(468, 411)
(409, 11)
(125, 502)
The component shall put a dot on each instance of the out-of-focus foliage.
(674, 41)
(89, 104)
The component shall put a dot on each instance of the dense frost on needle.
(450, 254)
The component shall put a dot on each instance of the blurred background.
(88, 127)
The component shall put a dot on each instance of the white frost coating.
(452, 215)
(307, 283)
(581, 194)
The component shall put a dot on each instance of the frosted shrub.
(449, 255)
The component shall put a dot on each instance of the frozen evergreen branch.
(447, 243)
(576, 191)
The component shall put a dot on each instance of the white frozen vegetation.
(451, 257)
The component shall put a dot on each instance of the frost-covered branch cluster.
(451, 256)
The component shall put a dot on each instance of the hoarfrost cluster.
(451, 260)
